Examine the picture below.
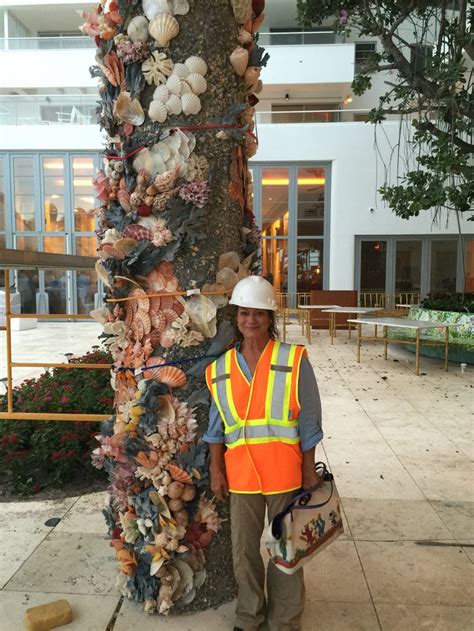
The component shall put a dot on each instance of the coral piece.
(196, 193)
(157, 68)
(239, 60)
(198, 168)
(196, 64)
(163, 28)
(132, 52)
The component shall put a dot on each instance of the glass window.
(443, 265)
(311, 183)
(373, 266)
(309, 265)
(53, 178)
(275, 184)
(408, 266)
(469, 284)
(275, 263)
(54, 244)
(28, 284)
(55, 286)
(84, 195)
(2, 193)
(86, 282)
(26, 244)
(23, 174)
(86, 246)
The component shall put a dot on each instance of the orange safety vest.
(263, 453)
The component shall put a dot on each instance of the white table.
(404, 323)
(319, 307)
(351, 310)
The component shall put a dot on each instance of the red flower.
(56, 455)
(64, 399)
(12, 439)
(69, 454)
(66, 437)
(36, 487)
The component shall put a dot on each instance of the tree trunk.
(161, 232)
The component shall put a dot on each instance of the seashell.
(174, 84)
(252, 75)
(239, 60)
(257, 23)
(173, 104)
(179, 7)
(134, 231)
(123, 198)
(161, 93)
(152, 8)
(196, 64)
(197, 83)
(165, 410)
(175, 490)
(186, 88)
(137, 329)
(172, 376)
(167, 180)
(125, 245)
(227, 277)
(176, 505)
(170, 315)
(244, 37)
(145, 320)
(161, 504)
(102, 273)
(143, 162)
(163, 28)
(189, 493)
(158, 321)
(129, 110)
(123, 281)
(191, 103)
(142, 300)
(179, 475)
(167, 338)
(259, 87)
(155, 302)
(229, 259)
(157, 111)
(182, 518)
(242, 10)
(108, 251)
(181, 70)
(202, 313)
(137, 29)
(152, 373)
(156, 281)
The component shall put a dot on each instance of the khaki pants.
(285, 592)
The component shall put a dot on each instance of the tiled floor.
(401, 449)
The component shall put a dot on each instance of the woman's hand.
(309, 475)
(219, 485)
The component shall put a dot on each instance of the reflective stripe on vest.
(275, 426)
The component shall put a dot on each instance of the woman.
(264, 425)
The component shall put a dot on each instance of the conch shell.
(163, 28)
(239, 60)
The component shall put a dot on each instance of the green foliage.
(435, 85)
(36, 454)
(462, 303)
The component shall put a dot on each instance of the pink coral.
(196, 193)
(132, 52)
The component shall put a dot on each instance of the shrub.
(37, 454)
(462, 303)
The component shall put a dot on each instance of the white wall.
(51, 138)
(356, 175)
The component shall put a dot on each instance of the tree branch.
(466, 147)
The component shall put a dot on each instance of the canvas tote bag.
(307, 525)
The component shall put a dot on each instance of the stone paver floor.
(401, 450)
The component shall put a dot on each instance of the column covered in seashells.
(175, 234)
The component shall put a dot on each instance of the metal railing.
(300, 38)
(13, 259)
(48, 109)
(46, 43)
(311, 116)
(389, 301)
(292, 300)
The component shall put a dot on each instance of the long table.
(404, 323)
(349, 310)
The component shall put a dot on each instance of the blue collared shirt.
(309, 417)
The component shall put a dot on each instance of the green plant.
(462, 303)
(36, 454)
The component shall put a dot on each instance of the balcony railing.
(299, 38)
(52, 109)
(46, 43)
(312, 116)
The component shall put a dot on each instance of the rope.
(174, 363)
(157, 294)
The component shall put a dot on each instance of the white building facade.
(316, 172)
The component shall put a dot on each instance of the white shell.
(152, 8)
(181, 70)
(161, 94)
(138, 29)
(157, 111)
(173, 104)
(179, 7)
(259, 87)
(174, 84)
(162, 149)
(129, 110)
(191, 103)
(244, 37)
(163, 28)
(187, 89)
(239, 59)
(196, 64)
(197, 82)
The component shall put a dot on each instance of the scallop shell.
(134, 231)
(239, 59)
(144, 318)
(196, 64)
(142, 300)
(158, 321)
(174, 84)
(197, 83)
(187, 89)
(129, 110)
(167, 338)
(107, 251)
(157, 111)
(181, 70)
(156, 281)
(152, 8)
(161, 93)
(178, 474)
(125, 245)
(163, 28)
(167, 180)
(153, 373)
(172, 376)
(123, 198)
(173, 104)
(191, 103)
(137, 29)
(244, 37)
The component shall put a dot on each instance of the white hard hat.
(254, 292)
